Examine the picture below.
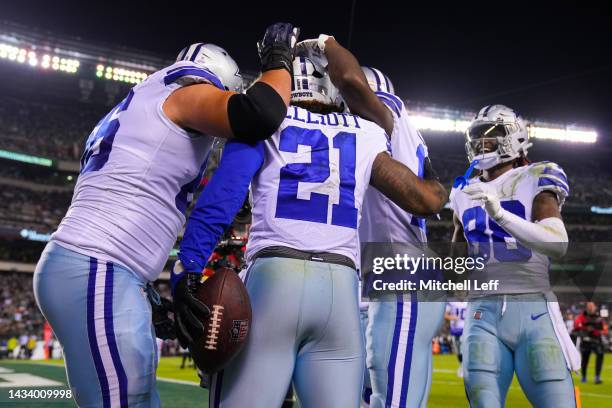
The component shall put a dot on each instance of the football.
(227, 327)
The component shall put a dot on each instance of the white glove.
(488, 195)
(314, 50)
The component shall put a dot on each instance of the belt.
(286, 252)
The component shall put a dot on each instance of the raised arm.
(421, 197)
(251, 116)
(346, 74)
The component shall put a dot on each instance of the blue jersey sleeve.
(219, 202)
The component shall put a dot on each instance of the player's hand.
(314, 50)
(277, 48)
(486, 194)
(164, 326)
(188, 311)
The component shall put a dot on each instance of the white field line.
(193, 383)
(173, 381)
(164, 379)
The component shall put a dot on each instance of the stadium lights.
(439, 124)
(32, 235)
(601, 210)
(458, 124)
(35, 59)
(563, 134)
(120, 74)
(25, 158)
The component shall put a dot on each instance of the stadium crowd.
(10, 172)
(34, 209)
(58, 129)
(21, 323)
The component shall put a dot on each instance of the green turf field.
(179, 388)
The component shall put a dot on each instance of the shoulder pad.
(187, 73)
(551, 177)
(393, 102)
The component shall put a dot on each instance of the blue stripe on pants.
(393, 357)
(91, 332)
(110, 335)
(98, 313)
(414, 307)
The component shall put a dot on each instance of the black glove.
(204, 378)
(164, 326)
(188, 311)
(277, 48)
(160, 307)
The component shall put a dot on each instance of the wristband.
(321, 41)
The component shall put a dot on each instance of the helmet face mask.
(497, 135)
(216, 60)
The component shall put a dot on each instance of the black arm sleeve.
(257, 114)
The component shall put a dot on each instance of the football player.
(455, 314)
(302, 250)
(400, 328)
(140, 167)
(510, 215)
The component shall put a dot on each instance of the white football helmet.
(378, 81)
(312, 85)
(497, 135)
(215, 59)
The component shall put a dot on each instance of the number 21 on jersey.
(315, 209)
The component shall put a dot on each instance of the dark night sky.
(464, 56)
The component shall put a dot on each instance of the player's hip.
(65, 278)
(313, 243)
(512, 318)
(316, 295)
(71, 287)
(100, 314)
(273, 272)
(279, 251)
